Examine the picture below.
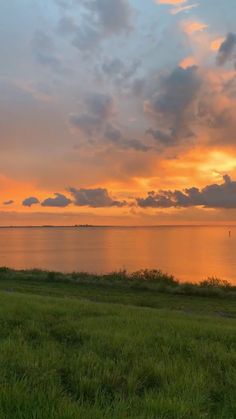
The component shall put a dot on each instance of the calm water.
(190, 253)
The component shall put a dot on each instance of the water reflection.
(190, 253)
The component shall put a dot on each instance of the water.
(190, 253)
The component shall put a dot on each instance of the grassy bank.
(116, 346)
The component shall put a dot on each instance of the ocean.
(190, 253)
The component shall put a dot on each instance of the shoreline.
(145, 280)
(88, 226)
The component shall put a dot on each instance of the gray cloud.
(101, 18)
(65, 4)
(119, 72)
(10, 202)
(212, 196)
(28, 202)
(86, 38)
(60, 201)
(115, 136)
(227, 49)
(113, 67)
(44, 52)
(95, 198)
(114, 15)
(173, 105)
(87, 124)
(101, 105)
(162, 137)
(138, 86)
(99, 109)
(95, 122)
(67, 25)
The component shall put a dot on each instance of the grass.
(116, 346)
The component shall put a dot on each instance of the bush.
(154, 275)
(215, 283)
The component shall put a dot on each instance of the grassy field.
(117, 346)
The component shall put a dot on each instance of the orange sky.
(90, 124)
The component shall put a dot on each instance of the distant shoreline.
(84, 226)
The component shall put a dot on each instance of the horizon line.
(232, 224)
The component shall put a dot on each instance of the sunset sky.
(118, 112)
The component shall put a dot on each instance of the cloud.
(65, 4)
(86, 38)
(115, 136)
(190, 27)
(67, 25)
(114, 15)
(138, 86)
(173, 105)
(188, 61)
(99, 109)
(216, 44)
(95, 123)
(95, 198)
(101, 19)
(162, 137)
(28, 202)
(101, 105)
(119, 71)
(87, 124)
(60, 201)
(44, 52)
(171, 2)
(10, 202)
(212, 196)
(180, 9)
(227, 50)
(179, 5)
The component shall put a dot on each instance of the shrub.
(215, 283)
(154, 275)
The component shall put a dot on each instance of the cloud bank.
(212, 196)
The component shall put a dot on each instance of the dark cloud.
(230, 87)
(173, 105)
(138, 86)
(227, 50)
(60, 201)
(65, 4)
(212, 196)
(44, 52)
(101, 105)
(28, 202)
(120, 72)
(87, 124)
(115, 136)
(95, 122)
(10, 202)
(113, 67)
(99, 109)
(67, 25)
(217, 113)
(95, 198)
(135, 145)
(86, 38)
(114, 15)
(162, 137)
(101, 18)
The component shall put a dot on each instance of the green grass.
(117, 346)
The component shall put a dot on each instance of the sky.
(117, 112)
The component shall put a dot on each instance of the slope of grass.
(71, 347)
